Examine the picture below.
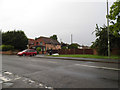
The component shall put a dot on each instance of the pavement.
(81, 59)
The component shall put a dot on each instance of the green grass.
(88, 56)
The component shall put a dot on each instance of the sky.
(48, 17)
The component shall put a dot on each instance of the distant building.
(83, 47)
(64, 45)
(44, 43)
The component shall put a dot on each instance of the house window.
(32, 43)
(41, 43)
(44, 49)
(36, 42)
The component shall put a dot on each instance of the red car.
(26, 52)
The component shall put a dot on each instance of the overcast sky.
(61, 17)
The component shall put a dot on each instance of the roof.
(30, 39)
(76, 44)
(49, 40)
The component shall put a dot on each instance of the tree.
(54, 37)
(64, 45)
(17, 39)
(101, 40)
(115, 18)
(73, 46)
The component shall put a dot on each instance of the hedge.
(6, 47)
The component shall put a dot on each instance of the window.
(36, 42)
(32, 43)
(41, 43)
(44, 49)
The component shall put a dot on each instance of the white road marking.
(52, 62)
(31, 81)
(50, 88)
(17, 78)
(26, 80)
(0, 81)
(9, 73)
(41, 85)
(98, 67)
(4, 79)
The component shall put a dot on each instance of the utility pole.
(108, 31)
(60, 40)
(1, 37)
(71, 39)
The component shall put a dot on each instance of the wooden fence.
(115, 51)
(76, 51)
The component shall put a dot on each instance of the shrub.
(6, 47)
(38, 49)
(73, 46)
(64, 47)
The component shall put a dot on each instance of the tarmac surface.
(50, 73)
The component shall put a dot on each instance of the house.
(83, 47)
(30, 43)
(44, 43)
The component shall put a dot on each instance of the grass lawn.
(88, 56)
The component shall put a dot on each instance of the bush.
(73, 46)
(6, 47)
(64, 47)
(38, 50)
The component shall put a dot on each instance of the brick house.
(31, 43)
(44, 43)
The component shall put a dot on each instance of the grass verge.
(88, 56)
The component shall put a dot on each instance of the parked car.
(55, 54)
(27, 52)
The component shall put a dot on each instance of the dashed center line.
(52, 62)
(98, 67)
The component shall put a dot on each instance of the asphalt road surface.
(32, 72)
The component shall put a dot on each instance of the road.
(56, 73)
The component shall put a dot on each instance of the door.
(28, 52)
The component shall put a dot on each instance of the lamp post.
(108, 32)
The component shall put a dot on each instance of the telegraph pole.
(108, 31)
(60, 40)
(1, 37)
(71, 39)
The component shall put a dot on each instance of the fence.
(76, 51)
(115, 51)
